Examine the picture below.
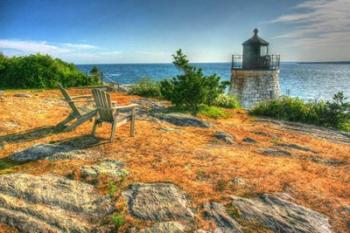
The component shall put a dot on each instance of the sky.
(150, 31)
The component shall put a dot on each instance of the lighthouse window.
(263, 50)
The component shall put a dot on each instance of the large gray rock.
(51, 204)
(225, 224)
(157, 202)
(38, 152)
(163, 227)
(111, 168)
(74, 155)
(280, 215)
(180, 119)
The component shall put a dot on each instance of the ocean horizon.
(306, 80)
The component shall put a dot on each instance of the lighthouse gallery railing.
(268, 62)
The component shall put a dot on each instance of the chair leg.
(94, 128)
(132, 123)
(114, 127)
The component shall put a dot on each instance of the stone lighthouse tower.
(255, 74)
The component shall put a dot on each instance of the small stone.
(260, 133)
(275, 152)
(24, 95)
(249, 140)
(167, 129)
(225, 137)
(111, 168)
(10, 125)
(294, 146)
(158, 202)
(238, 181)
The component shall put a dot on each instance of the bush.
(190, 89)
(226, 101)
(334, 114)
(40, 71)
(146, 87)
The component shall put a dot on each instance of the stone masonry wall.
(253, 86)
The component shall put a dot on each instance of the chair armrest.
(81, 100)
(130, 106)
(81, 96)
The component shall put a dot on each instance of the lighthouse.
(255, 74)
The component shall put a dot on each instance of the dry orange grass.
(189, 157)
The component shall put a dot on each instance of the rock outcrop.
(51, 204)
(163, 227)
(280, 215)
(74, 155)
(225, 224)
(183, 120)
(38, 152)
(158, 202)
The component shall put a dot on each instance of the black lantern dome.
(256, 40)
(255, 52)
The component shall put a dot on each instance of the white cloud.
(321, 18)
(318, 25)
(79, 53)
(32, 46)
(80, 46)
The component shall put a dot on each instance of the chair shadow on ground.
(81, 142)
(28, 135)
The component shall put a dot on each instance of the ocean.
(309, 81)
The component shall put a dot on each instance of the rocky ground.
(178, 174)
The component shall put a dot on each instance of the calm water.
(307, 81)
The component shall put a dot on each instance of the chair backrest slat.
(103, 105)
(68, 99)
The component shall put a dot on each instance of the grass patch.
(213, 112)
(118, 221)
(146, 88)
(204, 110)
(332, 114)
(7, 165)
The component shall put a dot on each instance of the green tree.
(191, 89)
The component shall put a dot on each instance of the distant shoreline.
(204, 63)
(326, 62)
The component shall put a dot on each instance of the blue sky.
(149, 31)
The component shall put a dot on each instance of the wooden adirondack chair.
(114, 115)
(76, 114)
